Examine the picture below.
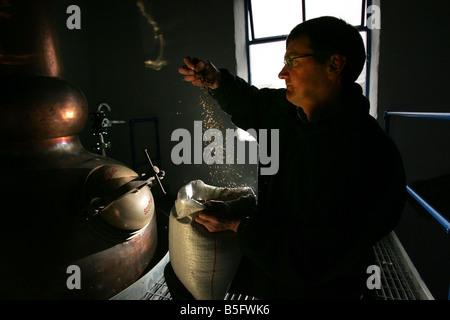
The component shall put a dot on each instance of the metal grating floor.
(152, 286)
(159, 291)
(399, 279)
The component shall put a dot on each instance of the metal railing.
(430, 115)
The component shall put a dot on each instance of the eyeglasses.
(289, 62)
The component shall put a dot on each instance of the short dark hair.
(331, 35)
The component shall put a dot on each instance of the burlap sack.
(204, 262)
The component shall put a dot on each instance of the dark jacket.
(340, 188)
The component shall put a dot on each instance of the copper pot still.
(51, 248)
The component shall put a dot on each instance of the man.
(340, 186)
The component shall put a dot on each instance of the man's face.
(306, 81)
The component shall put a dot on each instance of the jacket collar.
(355, 104)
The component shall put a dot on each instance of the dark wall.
(413, 76)
(105, 58)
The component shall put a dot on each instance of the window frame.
(250, 33)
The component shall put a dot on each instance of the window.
(269, 22)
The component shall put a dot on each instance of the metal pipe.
(29, 44)
(431, 115)
(436, 214)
